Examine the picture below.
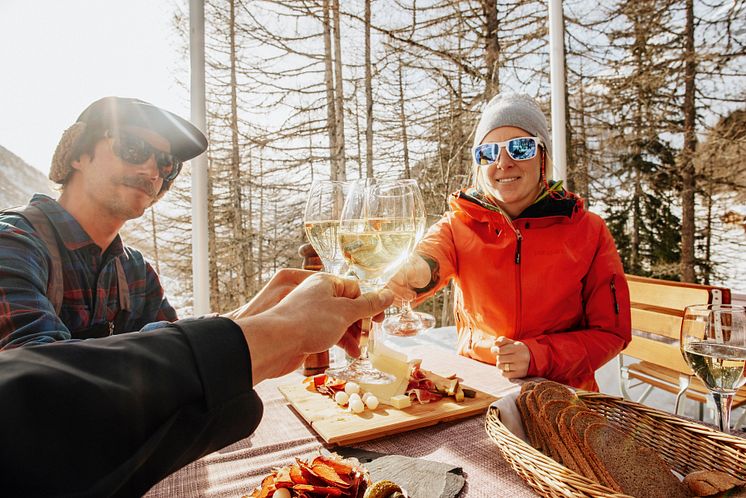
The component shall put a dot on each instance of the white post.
(557, 78)
(200, 268)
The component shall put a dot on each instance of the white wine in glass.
(376, 235)
(321, 222)
(713, 343)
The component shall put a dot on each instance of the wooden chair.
(657, 311)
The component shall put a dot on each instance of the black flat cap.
(185, 138)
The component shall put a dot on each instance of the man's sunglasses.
(136, 150)
(519, 149)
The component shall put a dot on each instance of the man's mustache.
(140, 183)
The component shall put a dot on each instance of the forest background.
(305, 89)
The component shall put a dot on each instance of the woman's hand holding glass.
(414, 274)
(409, 322)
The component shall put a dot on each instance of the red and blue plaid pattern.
(91, 296)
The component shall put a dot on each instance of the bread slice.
(520, 402)
(710, 482)
(549, 414)
(542, 438)
(578, 425)
(555, 393)
(564, 418)
(528, 386)
(634, 469)
(533, 406)
(528, 426)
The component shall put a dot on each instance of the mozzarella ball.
(282, 493)
(352, 387)
(356, 405)
(341, 398)
(366, 396)
(371, 402)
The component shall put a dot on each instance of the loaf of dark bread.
(559, 424)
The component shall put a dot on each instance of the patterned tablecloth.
(283, 435)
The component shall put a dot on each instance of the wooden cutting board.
(336, 425)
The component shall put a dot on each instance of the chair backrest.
(657, 311)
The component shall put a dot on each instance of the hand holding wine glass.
(409, 322)
(321, 222)
(377, 231)
(713, 342)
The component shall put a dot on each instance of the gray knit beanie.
(517, 110)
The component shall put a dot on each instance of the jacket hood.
(472, 202)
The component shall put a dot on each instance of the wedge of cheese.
(394, 363)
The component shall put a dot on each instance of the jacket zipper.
(519, 238)
(612, 284)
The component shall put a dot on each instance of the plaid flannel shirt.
(91, 294)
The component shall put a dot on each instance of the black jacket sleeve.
(113, 416)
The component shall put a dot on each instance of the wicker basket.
(686, 446)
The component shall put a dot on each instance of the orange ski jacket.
(551, 278)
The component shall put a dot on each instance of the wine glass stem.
(723, 403)
(369, 345)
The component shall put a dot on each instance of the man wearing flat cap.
(64, 271)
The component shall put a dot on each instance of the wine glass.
(321, 222)
(409, 322)
(713, 342)
(377, 231)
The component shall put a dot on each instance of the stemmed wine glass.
(377, 231)
(713, 342)
(321, 222)
(409, 322)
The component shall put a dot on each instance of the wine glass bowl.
(713, 343)
(321, 222)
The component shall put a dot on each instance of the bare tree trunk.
(310, 148)
(708, 228)
(274, 234)
(403, 121)
(239, 233)
(581, 161)
(368, 96)
(212, 245)
(572, 170)
(491, 49)
(358, 141)
(331, 114)
(634, 250)
(688, 177)
(250, 217)
(260, 255)
(339, 94)
(155, 241)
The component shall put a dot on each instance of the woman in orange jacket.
(540, 288)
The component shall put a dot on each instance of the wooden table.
(283, 435)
